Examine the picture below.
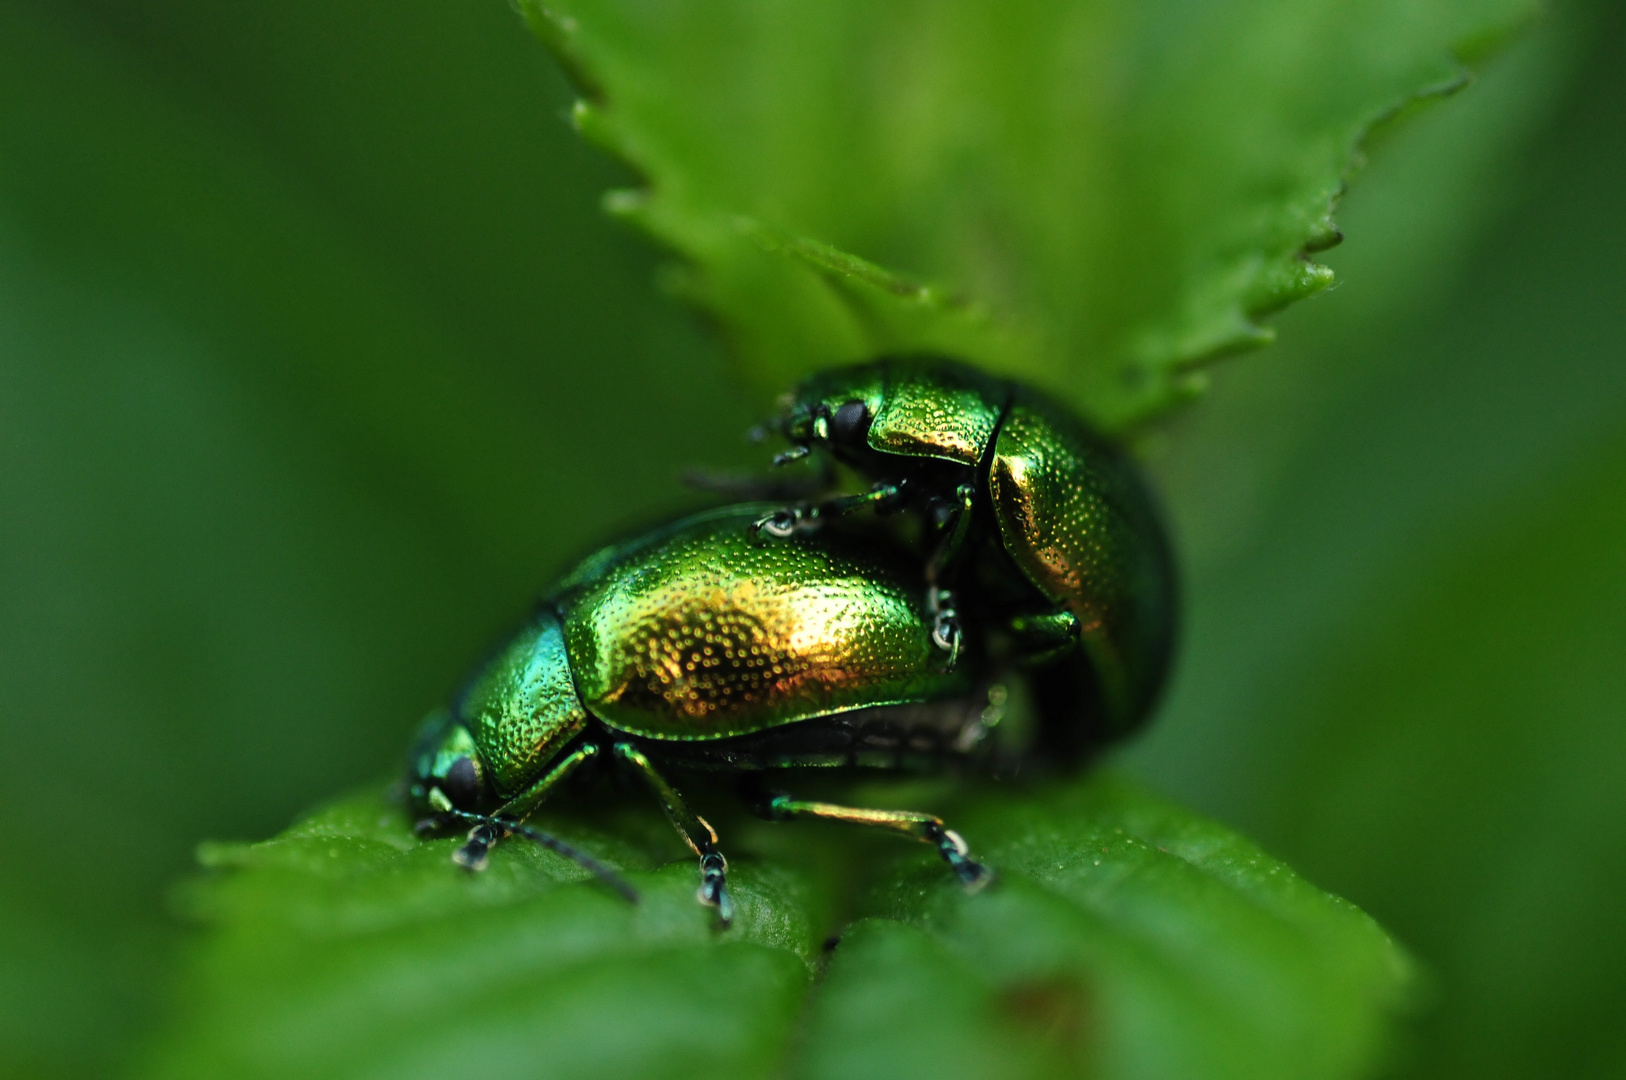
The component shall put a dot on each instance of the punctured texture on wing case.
(703, 631)
(1075, 519)
(937, 411)
(522, 706)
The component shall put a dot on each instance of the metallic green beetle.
(701, 646)
(998, 467)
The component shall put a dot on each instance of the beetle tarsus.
(785, 523)
(952, 846)
(713, 891)
(476, 854)
(945, 624)
(805, 517)
(946, 636)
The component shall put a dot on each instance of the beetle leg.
(795, 453)
(695, 830)
(945, 623)
(749, 487)
(485, 835)
(1045, 636)
(745, 487)
(923, 827)
(510, 827)
(939, 601)
(956, 526)
(804, 517)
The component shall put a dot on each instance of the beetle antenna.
(795, 453)
(553, 843)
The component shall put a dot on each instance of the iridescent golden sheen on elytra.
(703, 631)
(700, 631)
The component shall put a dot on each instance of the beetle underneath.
(701, 647)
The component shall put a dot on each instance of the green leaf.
(1405, 540)
(289, 303)
(1097, 195)
(1124, 938)
(247, 251)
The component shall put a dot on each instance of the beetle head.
(446, 771)
(832, 410)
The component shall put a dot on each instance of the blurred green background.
(317, 358)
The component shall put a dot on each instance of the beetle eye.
(850, 423)
(462, 784)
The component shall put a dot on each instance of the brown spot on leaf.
(1056, 1009)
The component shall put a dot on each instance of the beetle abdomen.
(916, 737)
